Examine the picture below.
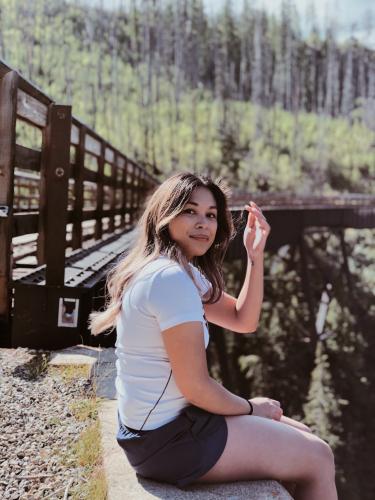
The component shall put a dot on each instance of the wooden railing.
(60, 182)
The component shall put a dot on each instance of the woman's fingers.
(248, 236)
(250, 218)
(254, 209)
(256, 225)
(254, 215)
(259, 216)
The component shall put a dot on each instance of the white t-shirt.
(162, 295)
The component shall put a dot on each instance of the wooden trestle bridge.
(69, 202)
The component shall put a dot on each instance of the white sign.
(68, 312)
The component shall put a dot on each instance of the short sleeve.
(173, 298)
(202, 282)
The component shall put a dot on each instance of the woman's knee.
(322, 458)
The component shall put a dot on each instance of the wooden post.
(54, 184)
(100, 193)
(124, 223)
(136, 200)
(8, 113)
(132, 192)
(142, 190)
(113, 194)
(79, 173)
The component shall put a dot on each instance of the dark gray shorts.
(178, 452)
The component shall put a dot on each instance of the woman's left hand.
(255, 214)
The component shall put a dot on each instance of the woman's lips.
(199, 238)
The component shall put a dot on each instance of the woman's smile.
(200, 238)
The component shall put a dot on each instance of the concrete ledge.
(123, 483)
(100, 362)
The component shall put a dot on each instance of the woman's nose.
(202, 220)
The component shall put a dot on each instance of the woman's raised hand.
(267, 408)
(255, 214)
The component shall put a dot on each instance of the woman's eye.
(191, 211)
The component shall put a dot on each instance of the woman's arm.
(242, 314)
(186, 352)
(184, 344)
(249, 302)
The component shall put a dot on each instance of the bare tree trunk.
(256, 77)
(347, 93)
(113, 121)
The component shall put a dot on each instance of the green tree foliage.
(177, 88)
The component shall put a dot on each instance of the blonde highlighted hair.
(153, 240)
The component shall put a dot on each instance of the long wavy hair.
(153, 240)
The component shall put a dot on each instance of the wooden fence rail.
(68, 177)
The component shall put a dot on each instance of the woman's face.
(194, 229)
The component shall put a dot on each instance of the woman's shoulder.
(169, 269)
(157, 276)
(160, 263)
(162, 267)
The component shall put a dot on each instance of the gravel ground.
(36, 423)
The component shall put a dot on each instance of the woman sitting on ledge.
(176, 423)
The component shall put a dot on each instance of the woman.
(176, 423)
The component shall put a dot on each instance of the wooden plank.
(89, 130)
(31, 110)
(55, 169)
(25, 85)
(277, 201)
(90, 175)
(110, 181)
(34, 91)
(27, 158)
(4, 69)
(8, 110)
(25, 223)
(93, 214)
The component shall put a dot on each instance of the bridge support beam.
(8, 114)
(307, 291)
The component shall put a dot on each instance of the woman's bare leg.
(260, 448)
(291, 486)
